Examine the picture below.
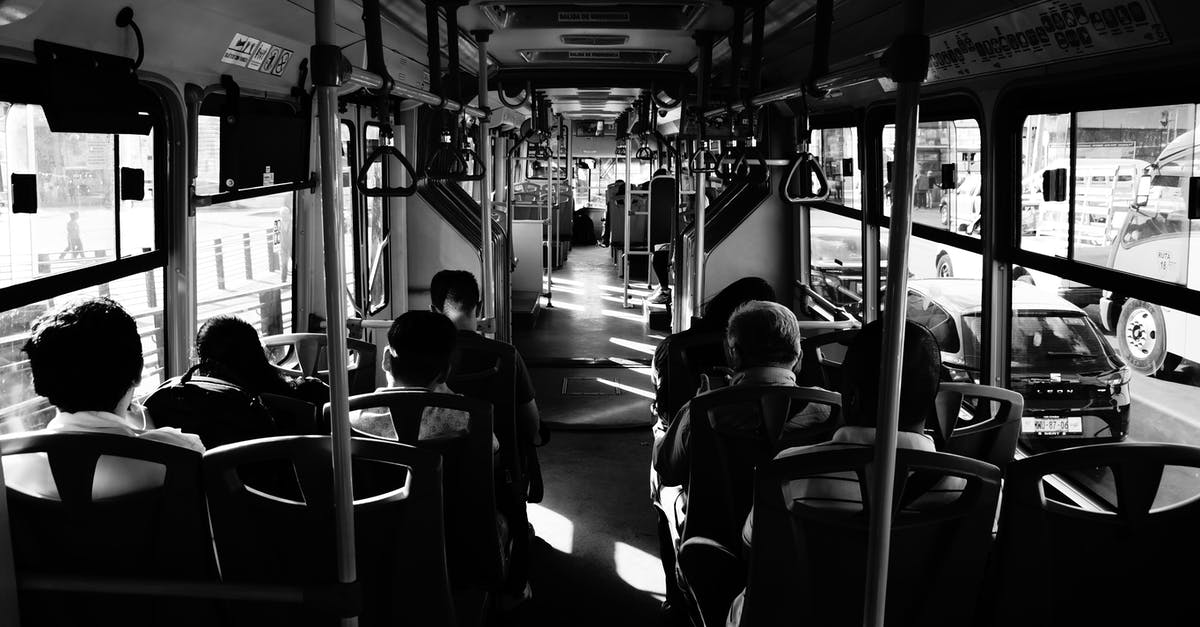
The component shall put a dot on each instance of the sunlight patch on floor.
(558, 280)
(624, 315)
(640, 570)
(628, 388)
(633, 300)
(569, 289)
(558, 304)
(557, 530)
(640, 347)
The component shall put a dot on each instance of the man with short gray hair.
(762, 343)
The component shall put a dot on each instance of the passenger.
(455, 294)
(615, 190)
(219, 398)
(86, 359)
(861, 385)
(716, 318)
(763, 347)
(421, 345)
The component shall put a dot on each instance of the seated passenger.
(861, 387)
(219, 397)
(86, 359)
(421, 345)
(763, 348)
(716, 318)
(455, 294)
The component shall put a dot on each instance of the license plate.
(1052, 426)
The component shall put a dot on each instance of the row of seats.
(441, 524)
(966, 558)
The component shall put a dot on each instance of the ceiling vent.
(593, 55)
(594, 40)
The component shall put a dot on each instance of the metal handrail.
(362, 78)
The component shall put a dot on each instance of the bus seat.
(821, 358)
(293, 415)
(1144, 547)
(157, 532)
(265, 538)
(476, 550)
(689, 356)
(978, 421)
(664, 203)
(724, 570)
(487, 371)
(304, 353)
(808, 557)
(734, 430)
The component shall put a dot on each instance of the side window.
(80, 223)
(376, 262)
(837, 151)
(1126, 208)
(349, 224)
(944, 149)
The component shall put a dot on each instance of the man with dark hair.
(421, 345)
(86, 359)
(455, 295)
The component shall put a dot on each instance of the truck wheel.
(944, 267)
(1142, 336)
(1021, 274)
(944, 214)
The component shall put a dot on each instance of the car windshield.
(1043, 342)
(827, 246)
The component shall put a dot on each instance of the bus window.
(950, 143)
(377, 230)
(1113, 225)
(837, 151)
(243, 249)
(140, 294)
(348, 161)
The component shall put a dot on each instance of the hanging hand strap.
(384, 191)
(807, 167)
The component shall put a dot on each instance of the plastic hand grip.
(468, 155)
(807, 167)
(644, 153)
(446, 164)
(703, 161)
(384, 191)
(751, 166)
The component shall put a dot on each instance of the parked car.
(1076, 386)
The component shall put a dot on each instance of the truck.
(1155, 240)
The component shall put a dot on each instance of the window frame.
(385, 259)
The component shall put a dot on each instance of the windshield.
(1043, 342)
(827, 246)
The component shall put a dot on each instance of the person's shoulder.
(173, 436)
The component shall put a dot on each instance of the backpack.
(216, 410)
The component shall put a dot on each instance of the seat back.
(293, 415)
(156, 531)
(473, 545)
(821, 358)
(306, 353)
(735, 429)
(664, 202)
(1142, 548)
(689, 356)
(978, 421)
(809, 548)
(486, 371)
(268, 538)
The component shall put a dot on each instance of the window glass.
(1130, 191)
(208, 162)
(950, 148)
(244, 261)
(347, 184)
(377, 231)
(837, 151)
(140, 294)
(1096, 366)
(835, 259)
(76, 222)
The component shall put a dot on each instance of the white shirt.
(114, 475)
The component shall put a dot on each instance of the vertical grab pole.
(488, 265)
(326, 56)
(628, 218)
(704, 41)
(907, 61)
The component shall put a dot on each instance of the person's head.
(86, 356)
(661, 172)
(743, 290)
(762, 334)
(230, 346)
(862, 372)
(455, 294)
(74, 215)
(420, 349)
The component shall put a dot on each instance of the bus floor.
(595, 558)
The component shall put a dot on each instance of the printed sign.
(255, 54)
(1043, 33)
(268, 177)
(240, 50)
